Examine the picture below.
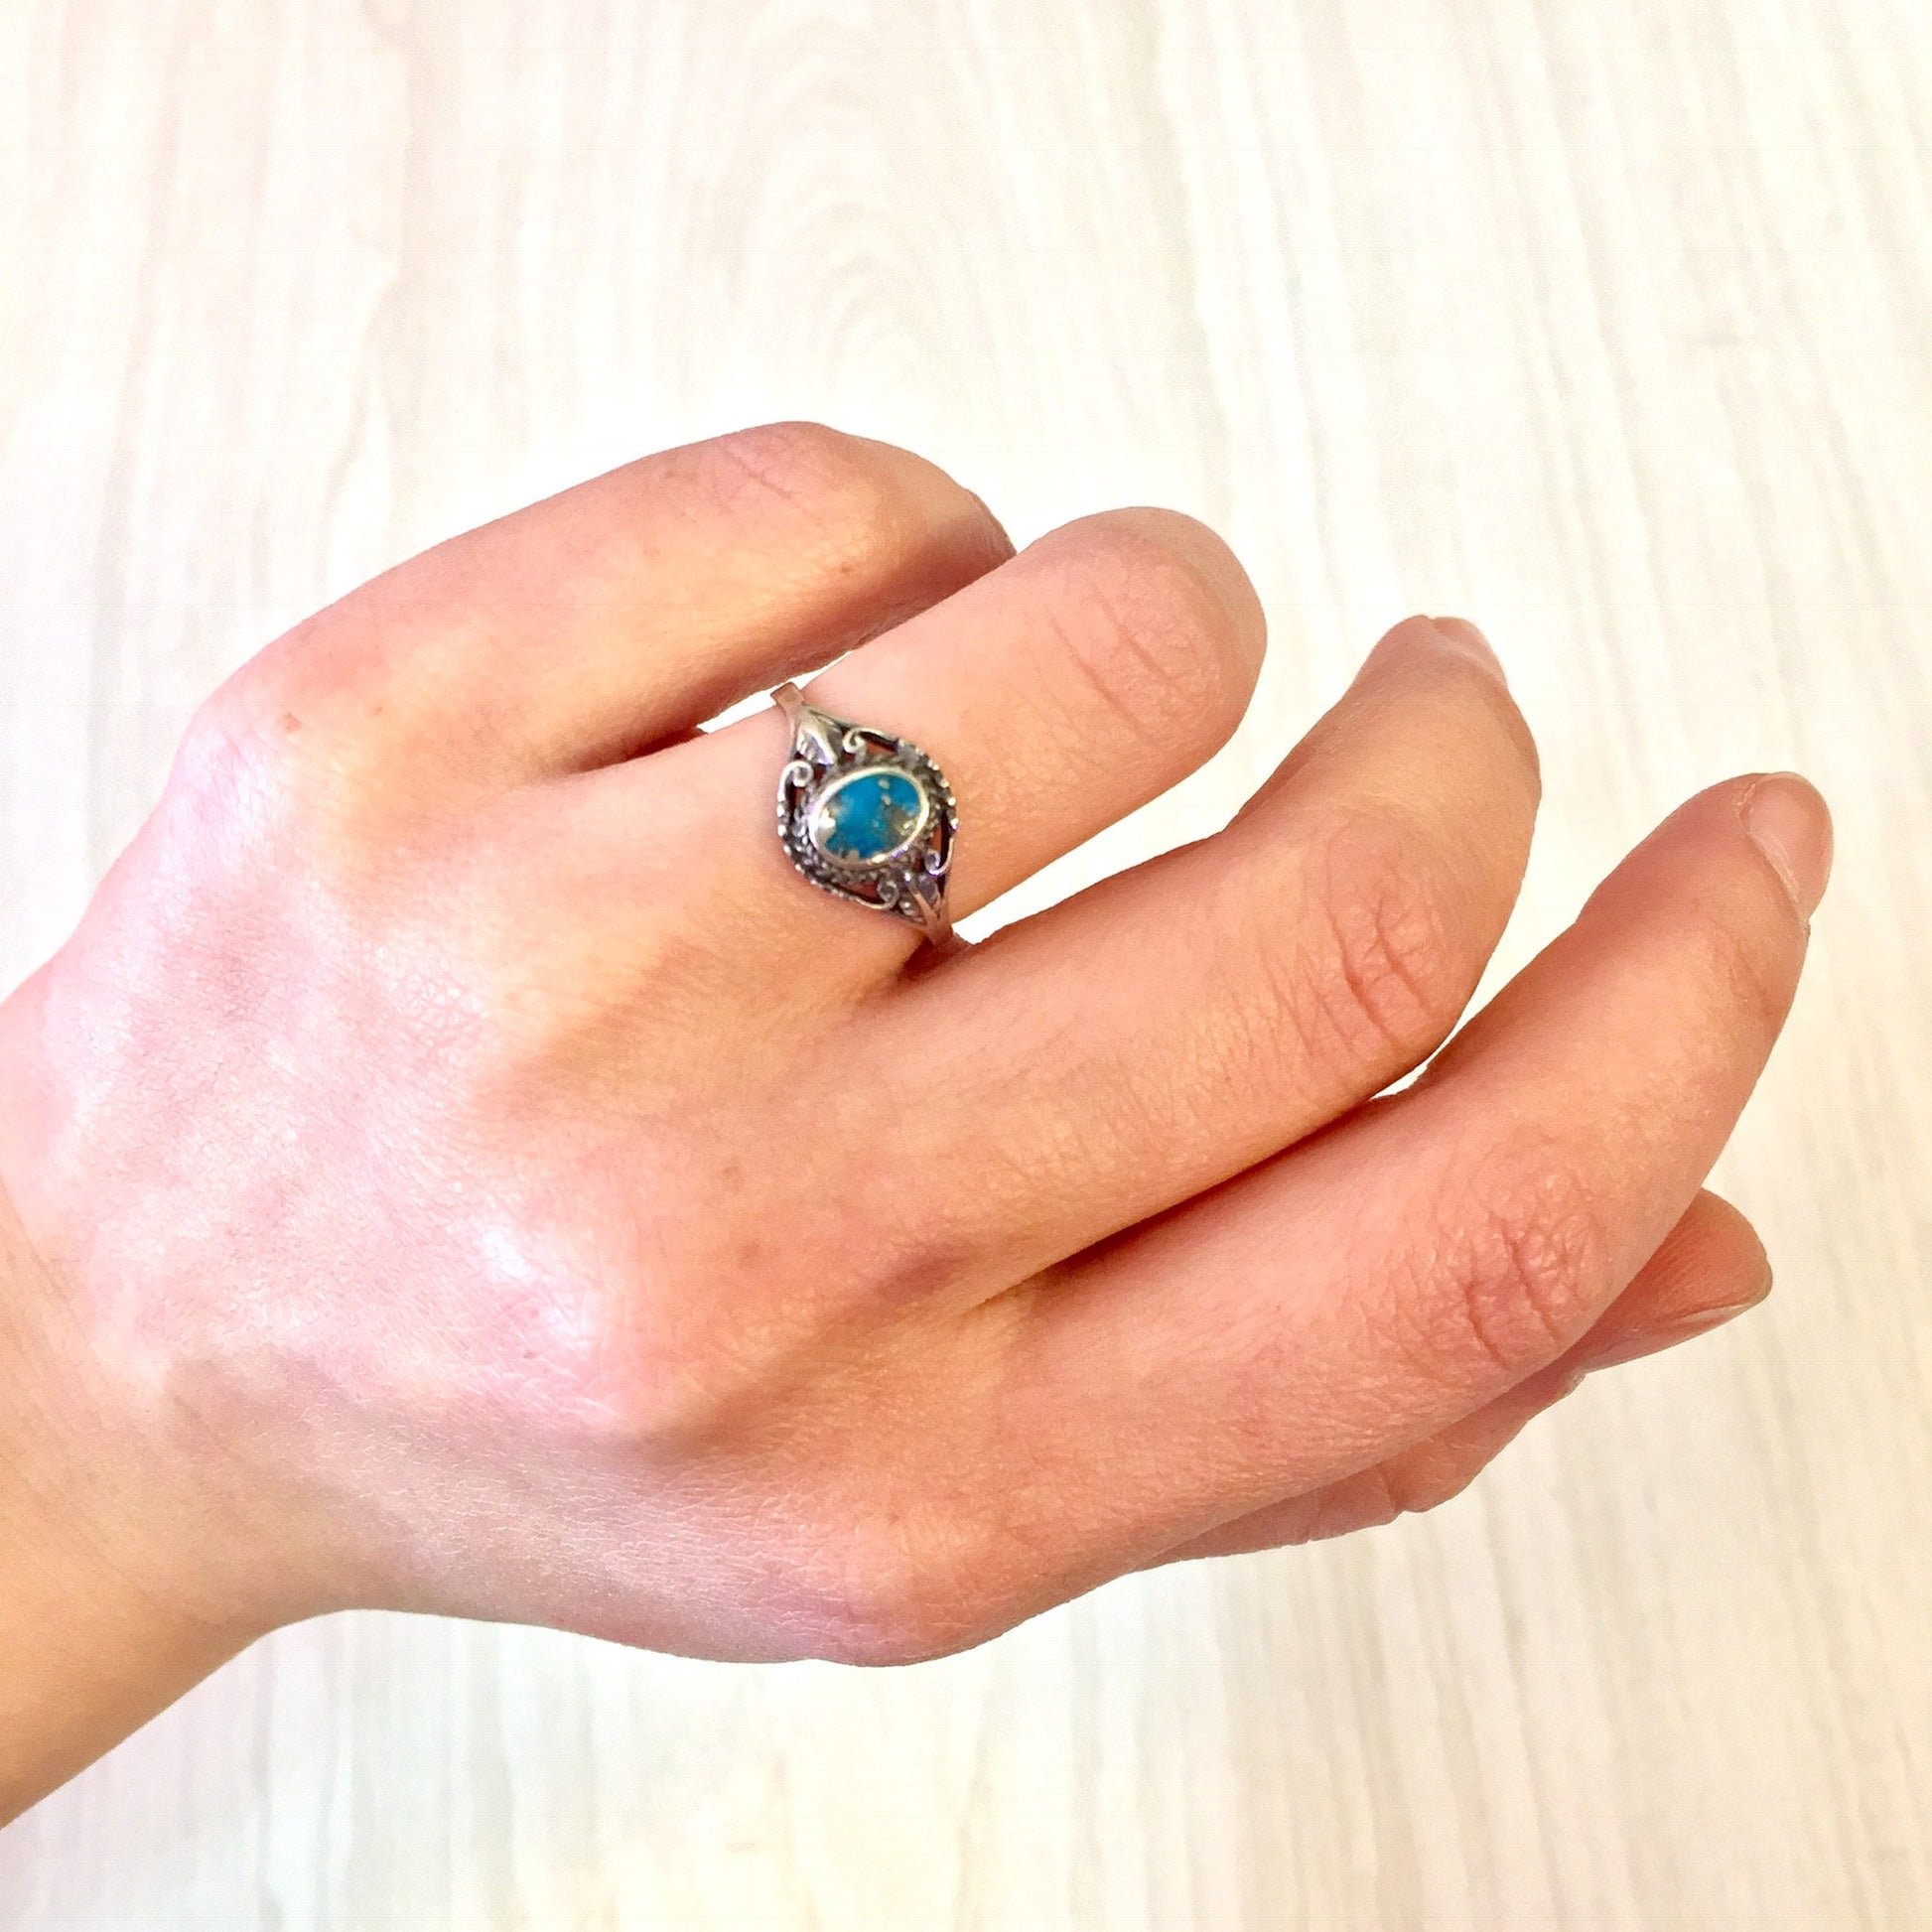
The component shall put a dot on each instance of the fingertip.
(1455, 635)
(1462, 636)
(1736, 1252)
(1144, 551)
(1787, 819)
(1711, 1269)
(1762, 884)
(1213, 561)
(1645, 1342)
(1455, 640)
(997, 535)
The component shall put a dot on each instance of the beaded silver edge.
(910, 882)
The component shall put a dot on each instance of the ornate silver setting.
(865, 816)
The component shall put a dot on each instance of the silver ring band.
(865, 816)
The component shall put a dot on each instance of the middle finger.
(1169, 1027)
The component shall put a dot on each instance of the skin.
(457, 1165)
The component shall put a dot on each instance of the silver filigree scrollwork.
(891, 848)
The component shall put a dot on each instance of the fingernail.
(1466, 637)
(1789, 823)
(1653, 1341)
(986, 510)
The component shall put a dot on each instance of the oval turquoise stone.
(868, 814)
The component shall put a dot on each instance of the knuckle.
(1147, 624)
(678, 1381)
(891, 1593)
(291, 765)
(1518, 1267)
(685, 1398)
(245, 749)
(1391, 968)
(223, 735)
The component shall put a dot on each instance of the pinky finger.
(1711, 1269)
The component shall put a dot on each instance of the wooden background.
(1608, 322)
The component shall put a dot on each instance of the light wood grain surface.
(1608, 322)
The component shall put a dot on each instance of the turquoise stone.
(866, 815)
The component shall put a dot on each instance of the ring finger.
(1157, 1033)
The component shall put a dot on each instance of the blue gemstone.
(865, 816)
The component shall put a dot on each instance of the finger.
(1365, 1291)
(636, 606)
(1711, 1269)
(1060, 692)
(1422, 1478)
(1175, 1024)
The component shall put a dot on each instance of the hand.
(466, 1170)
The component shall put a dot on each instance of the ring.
(865, 816)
